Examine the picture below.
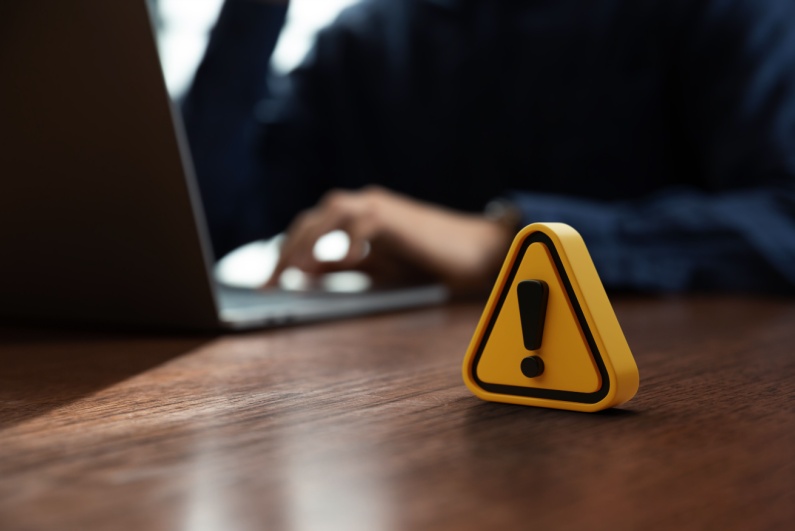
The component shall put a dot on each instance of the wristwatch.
(505, 213)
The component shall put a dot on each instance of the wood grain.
(366, 425)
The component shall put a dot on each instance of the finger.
(285, 249)
(332, 213)
(361, 230)
(302, 241)
(290, 248)
(296, 251)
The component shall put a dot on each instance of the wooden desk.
(366, 425)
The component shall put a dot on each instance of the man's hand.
(407, 240)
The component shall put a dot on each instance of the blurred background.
(184, 26)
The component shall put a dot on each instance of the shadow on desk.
(46, 369)
(500, 430)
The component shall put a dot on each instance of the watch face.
(504, 212)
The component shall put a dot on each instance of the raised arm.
(220, 119)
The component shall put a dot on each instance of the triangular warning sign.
(548, 336)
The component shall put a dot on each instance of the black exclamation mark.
(533, 295)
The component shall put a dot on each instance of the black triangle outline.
(534, 392)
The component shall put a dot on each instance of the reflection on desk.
(366, 425)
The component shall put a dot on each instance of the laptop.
(100, 216)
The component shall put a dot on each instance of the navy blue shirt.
(662, 130)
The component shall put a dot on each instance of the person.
(662, 130)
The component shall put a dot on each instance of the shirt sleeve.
(682, 239)
(312, 127)
(736, 230)
(221, 125)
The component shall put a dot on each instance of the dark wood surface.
(366, 425)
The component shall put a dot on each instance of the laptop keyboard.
(233, 298)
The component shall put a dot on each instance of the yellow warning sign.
(548, 336)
